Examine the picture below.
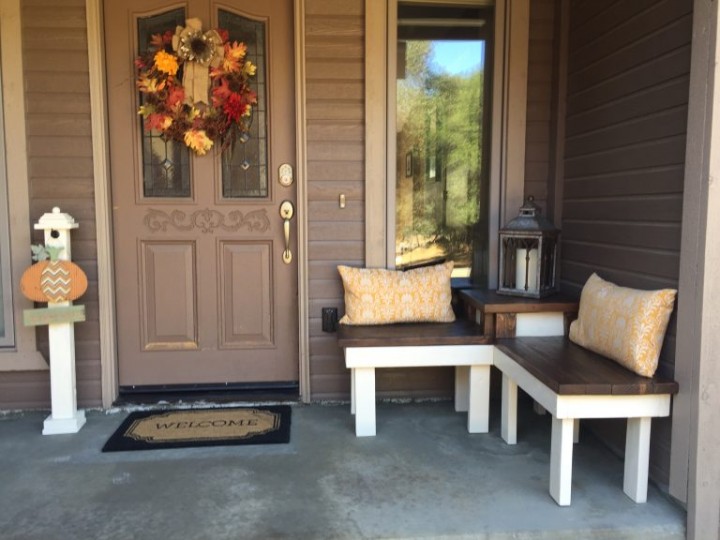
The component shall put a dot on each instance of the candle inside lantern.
(526, 269)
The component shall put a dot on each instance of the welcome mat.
(150, 430)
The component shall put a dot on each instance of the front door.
(206, 288)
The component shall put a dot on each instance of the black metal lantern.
(528, 254)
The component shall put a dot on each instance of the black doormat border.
(119, 442)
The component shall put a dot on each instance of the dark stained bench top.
(460, 332)
(568, 369)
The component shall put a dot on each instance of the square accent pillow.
(626, 325)
(379, 296)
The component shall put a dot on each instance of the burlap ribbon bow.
(199, 51)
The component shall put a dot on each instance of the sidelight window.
(7, 337)
(443, 81)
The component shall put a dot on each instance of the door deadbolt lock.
(285, 175)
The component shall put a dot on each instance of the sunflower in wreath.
(195, 87)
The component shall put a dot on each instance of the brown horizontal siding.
(539, 100)
(627, 95)
(335, 153)
(60, 169)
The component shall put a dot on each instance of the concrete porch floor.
(423, 476)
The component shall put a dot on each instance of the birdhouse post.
(60, 283)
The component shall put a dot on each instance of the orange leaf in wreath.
(157, 122)
(221, 93)
(149, 85)
(175, 97)
(198, 141)
(233, 56)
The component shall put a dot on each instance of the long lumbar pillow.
(379, 296)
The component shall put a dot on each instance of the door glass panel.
(442, 134)
(244, 169)
(166, 164)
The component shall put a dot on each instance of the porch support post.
(695, 469)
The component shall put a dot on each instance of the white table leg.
(352, 391)
(479, 400)
(462, 388)
(561, 449)
(576, 430)
(364, 402)
(637, 458)
(508, 415)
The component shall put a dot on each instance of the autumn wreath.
(195, 87)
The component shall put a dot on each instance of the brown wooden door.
(203, 293)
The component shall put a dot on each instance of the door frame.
(103, 210)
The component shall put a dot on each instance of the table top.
(488, 301)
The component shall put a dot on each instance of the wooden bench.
(573, 383)
(460, 344)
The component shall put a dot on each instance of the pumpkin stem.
(53, 252)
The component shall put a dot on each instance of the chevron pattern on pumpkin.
(55, 281)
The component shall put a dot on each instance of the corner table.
(505, 316)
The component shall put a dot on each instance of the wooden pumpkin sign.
(52, 280)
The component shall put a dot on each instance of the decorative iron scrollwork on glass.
(165, 163)
(245, 169)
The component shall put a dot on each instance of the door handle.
(287, 211)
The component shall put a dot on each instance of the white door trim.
(302, 202)
(100, 140)
(103, 215)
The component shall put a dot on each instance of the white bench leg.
(462, 388)
(508, 414)
(479, 399)
(364, 402)
(561, 450)
(637, 458)
(352, 391)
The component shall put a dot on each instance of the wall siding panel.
(628, 84)
(59, 146)
(336, 142)
(335, 153)
(539, 97)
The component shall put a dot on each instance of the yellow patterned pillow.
(379, 296)
(626, 325)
